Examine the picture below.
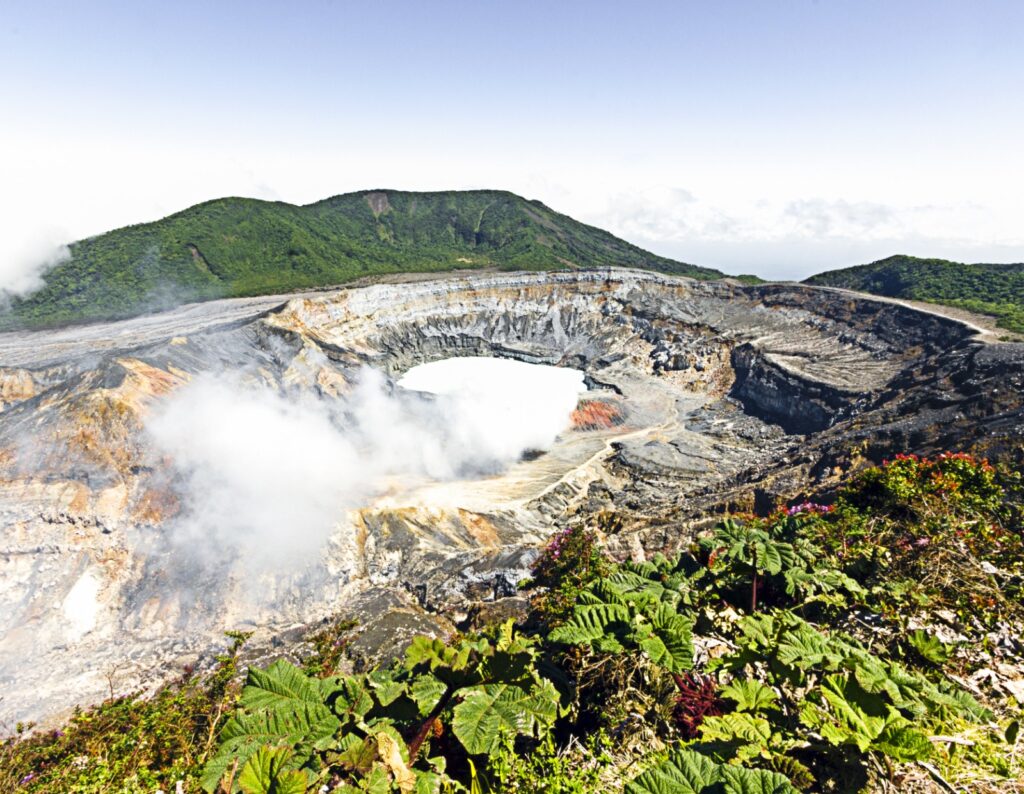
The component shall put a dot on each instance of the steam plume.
(267, 475)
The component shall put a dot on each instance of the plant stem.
(753, 587)
(421, 734)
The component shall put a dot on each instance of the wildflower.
(809, 507)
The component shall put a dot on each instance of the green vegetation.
(236, 247)
(819, 648)
(997, 290)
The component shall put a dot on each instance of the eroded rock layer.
(704, 396)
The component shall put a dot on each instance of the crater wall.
(725, 396)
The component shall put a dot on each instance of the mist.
(266, 475)
(24, 262)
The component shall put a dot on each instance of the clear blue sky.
(780, 138)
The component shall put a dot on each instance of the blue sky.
(781, 138)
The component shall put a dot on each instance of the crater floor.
(711, 396)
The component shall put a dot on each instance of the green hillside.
(237, 246)
(997, 290)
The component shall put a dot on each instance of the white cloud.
(664, 215)
(26, 257)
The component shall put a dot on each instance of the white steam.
(501, 407)
(23, 264)
(267, 477)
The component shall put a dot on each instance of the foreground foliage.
(821, 648)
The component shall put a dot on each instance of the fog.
(266, 475)
(24, 262)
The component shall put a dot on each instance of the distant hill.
(238, 246)
(997, 290)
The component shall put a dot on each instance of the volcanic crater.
(703, 396)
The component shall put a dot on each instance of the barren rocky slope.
(728, 395)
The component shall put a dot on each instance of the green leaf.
(268, 771)
(750, 695)
(928, 646)
(385, 687)
(758, 630)
(901, 741)
(675, 633)
(426, 690)
(689, 772)
(348, 697)
(769, 557)
(486, 711)
(737, 780)
(685, 772)
(860, 712)
(590, 622)
(281, 684)
(804, 648)
(736, 727)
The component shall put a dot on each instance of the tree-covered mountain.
(238, 246)
(997, 290)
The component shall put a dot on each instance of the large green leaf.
(750, 694)
(737, 727)
(803, 647)
(675, 633)
(689, 772)
(901, 741)
(737, 780)
(769, 556)
(306, 726)
(685, 772)
(590, 622)
(281, 684)
(928, 646)
(426, 690)
(269, 771)
(385, 688)
(487, 711)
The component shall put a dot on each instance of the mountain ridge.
(992, 289)
(235, 247)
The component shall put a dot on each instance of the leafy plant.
(688, 772)
(487, 687)
(569, 563)
(753, 549)
(624, 613)
(778, 551)
(697, 700)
